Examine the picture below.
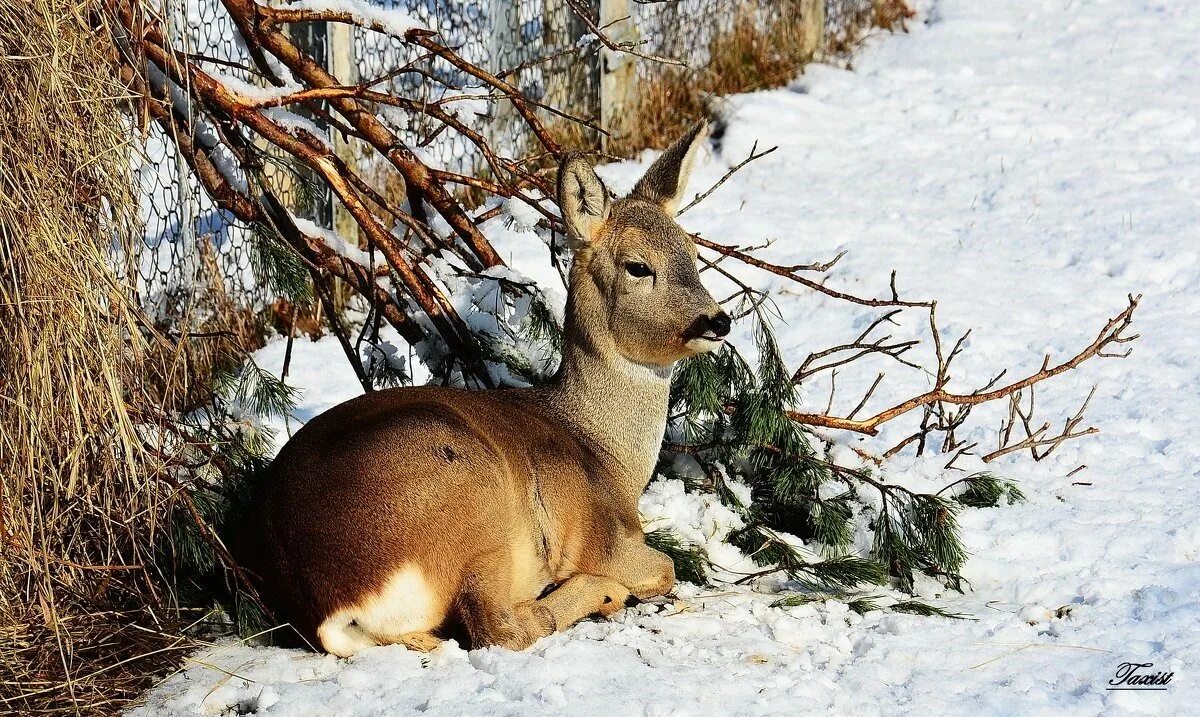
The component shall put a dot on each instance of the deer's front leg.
(490, 621)
(645, 571)
(584, 595)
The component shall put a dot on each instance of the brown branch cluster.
(203, 114)
(944, 411)
(207, 117)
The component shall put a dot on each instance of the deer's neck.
(618, 405)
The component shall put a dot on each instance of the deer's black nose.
(720, 323)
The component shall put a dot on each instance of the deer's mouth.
(707, 333)
(705, 342)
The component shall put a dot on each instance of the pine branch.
(690, 560)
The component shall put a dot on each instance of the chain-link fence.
(542, 46)
(183, 228)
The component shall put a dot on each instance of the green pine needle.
(863, 603)
(799, 599)
(916, 607)
(249, 618)
(256, 390)
(832, 521)
(543, 328)
(934, 528)
(697, 382)
(844, 572)
(382, 370)
(832, 574)
(690, 560)
(984, 490)
(279, 268)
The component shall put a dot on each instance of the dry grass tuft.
(82, 501)
(750, 55)
(765, 46)
(892, 14)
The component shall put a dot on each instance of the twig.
(732, 170)
(1111, 333)
(628, 48)
(339, 331)
(789, 272)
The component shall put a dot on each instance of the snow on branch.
(389, 21)
(337, 243)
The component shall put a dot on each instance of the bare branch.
(1111, 333)
(789, 272)
(1035, 439)
(628, 48)
(732, 171)
(861, 347)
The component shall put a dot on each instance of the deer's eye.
(637, 269)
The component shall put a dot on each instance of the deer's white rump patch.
(404, 605)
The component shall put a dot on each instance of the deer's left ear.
(666, 180)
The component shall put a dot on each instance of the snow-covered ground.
(1026, 162)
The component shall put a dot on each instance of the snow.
(467, 104)
(227, 164)
(521, 216)
(253, 92)
(386, 20)
(1028, 164)
(295, 124)
(699, 519)
(337, 243)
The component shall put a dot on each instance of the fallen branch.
(1037, 438)
(1109, 335)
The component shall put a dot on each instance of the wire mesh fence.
(545, 48)
(180, 222)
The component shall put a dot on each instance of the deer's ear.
(583, 198)
(666, 180)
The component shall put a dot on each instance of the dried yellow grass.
(81, 502)
(765, 46)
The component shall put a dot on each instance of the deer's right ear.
(583, 198)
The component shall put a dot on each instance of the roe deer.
(412, 514)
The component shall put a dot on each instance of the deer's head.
(634, 281)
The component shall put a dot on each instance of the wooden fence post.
(342, 64)
(812, 17)
(617, 70)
